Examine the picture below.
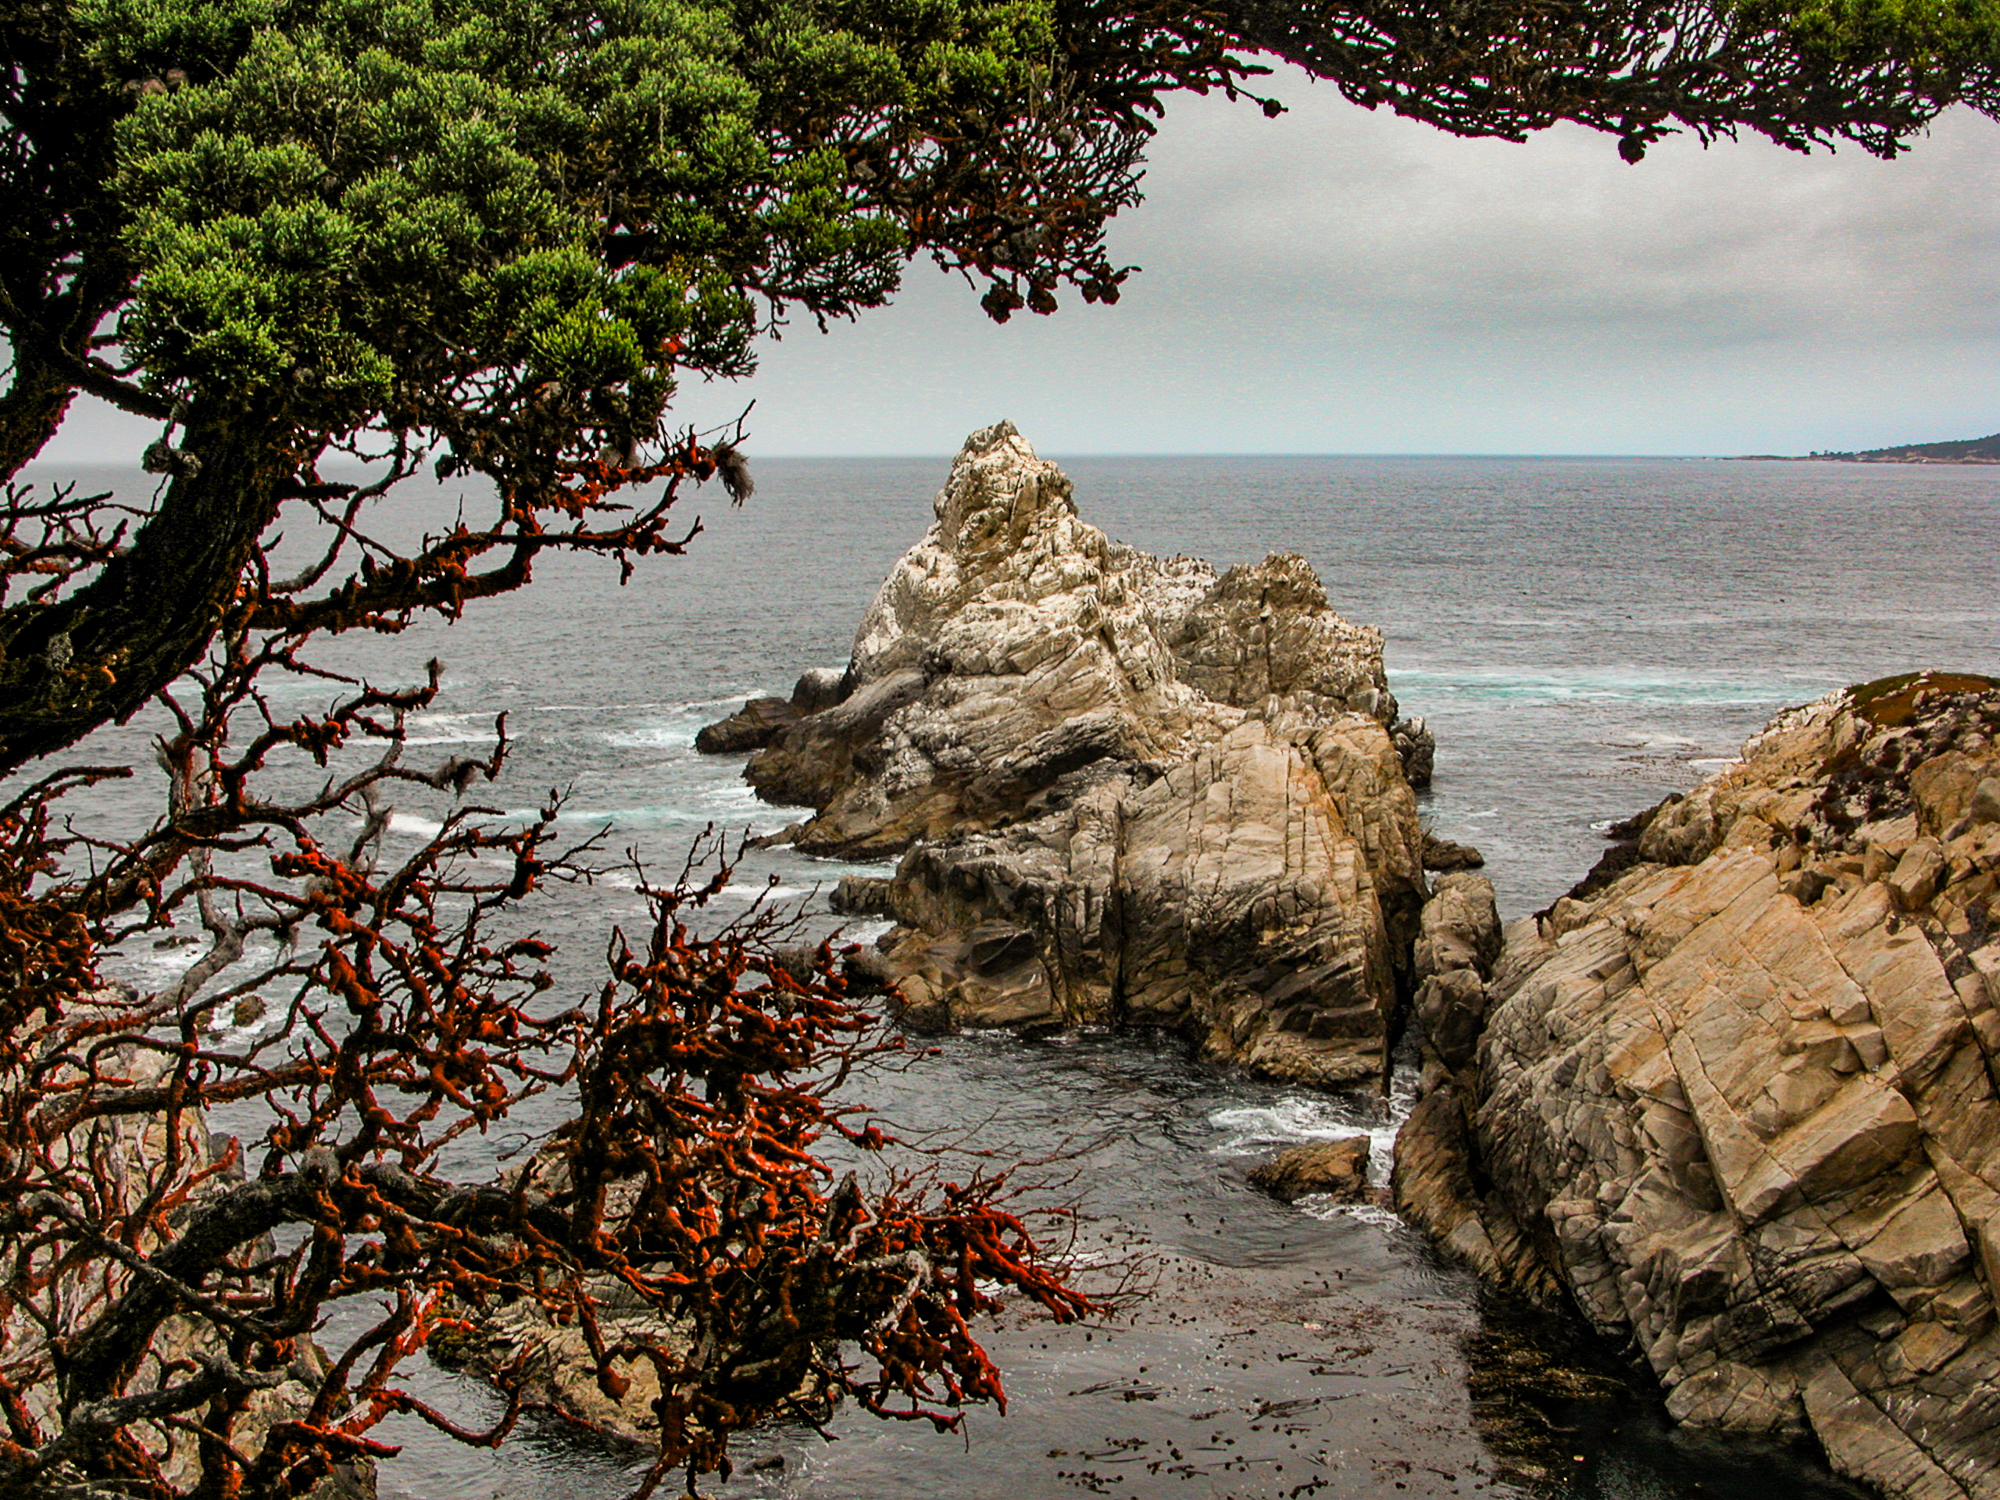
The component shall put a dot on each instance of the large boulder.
(1131, 791)
(1738, 1096)
(1016, 642)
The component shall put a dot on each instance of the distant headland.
(1984, 450)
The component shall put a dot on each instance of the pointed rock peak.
(997, 491)
(1284, 580)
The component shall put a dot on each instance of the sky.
(1345, 281)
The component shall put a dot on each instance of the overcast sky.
(1345, 281)
(1340, 281)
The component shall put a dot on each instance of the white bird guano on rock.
(1126, 788)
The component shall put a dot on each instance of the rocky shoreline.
(1735, 1099)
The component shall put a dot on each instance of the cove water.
(1584, 635)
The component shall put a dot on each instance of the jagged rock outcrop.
(1458, 943)
(1131, 790)
(1016, 642)
(1739, 1094)
(762, 721)
(751, 727)
(1444, 855)
(1417, 745)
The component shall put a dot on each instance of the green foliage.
(338, 190)
(1928, 35)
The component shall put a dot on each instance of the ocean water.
(1585, 635)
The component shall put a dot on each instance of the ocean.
(1584, 635)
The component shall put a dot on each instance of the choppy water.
(1585, 635)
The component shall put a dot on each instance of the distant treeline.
(1984, 450)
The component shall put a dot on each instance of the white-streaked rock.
(1130, 789)
(1016, 642)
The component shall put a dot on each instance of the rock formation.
(1016, 642)
(1131, 790)
(1260, 896)
(1738, 1096)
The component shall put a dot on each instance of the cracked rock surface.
(1738, 1096)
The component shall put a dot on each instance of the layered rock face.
(1739, 1095)
(1131, 790)
(1259, 896)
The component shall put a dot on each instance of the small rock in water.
(1336, 1168)
(1443, 854)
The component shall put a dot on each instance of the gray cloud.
(1338, 280)
(1366, 216)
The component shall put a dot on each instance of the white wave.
(645, 815)
(166, 961)
(1291, 1120)
(448, 729)
(422, 828)
(746, 890)
(1319, 1206)
(1570, 685)
(654, 705)
(652, 737)
(223, 1032)
(834, 866)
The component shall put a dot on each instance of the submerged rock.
(1131, 790)
(1738, 1096)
